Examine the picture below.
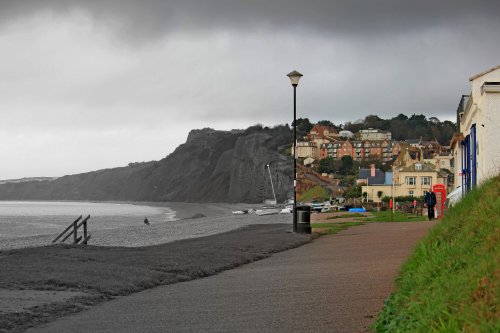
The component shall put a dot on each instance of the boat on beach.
(267, 211)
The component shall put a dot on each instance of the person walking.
(430, 202)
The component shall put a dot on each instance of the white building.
(309, 161)
(307, 149)
(477, 146)
(346, 134)
(374, 134)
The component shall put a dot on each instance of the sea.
(30, 218)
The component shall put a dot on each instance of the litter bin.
(303, 219)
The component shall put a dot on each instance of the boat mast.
(272, 186)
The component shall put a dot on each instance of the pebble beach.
(193, 220)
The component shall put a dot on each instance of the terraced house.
(384, 150)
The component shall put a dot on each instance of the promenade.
(334, 284)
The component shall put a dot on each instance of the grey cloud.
(147, 19)
(137, 67)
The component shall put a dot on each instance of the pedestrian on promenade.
(430, 201)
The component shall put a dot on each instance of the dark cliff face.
(212, 166)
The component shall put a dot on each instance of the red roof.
(320, 129)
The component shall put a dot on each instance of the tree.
(353, 192)
(373, 121)
(303, 126)
(434, 120)
(355, 126)
(379, 194)
(326, 165)
(346, 165)
(326, 123)
(401, 117)
(348, 181)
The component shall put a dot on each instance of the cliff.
(212, 166)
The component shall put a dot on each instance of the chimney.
(372, 171)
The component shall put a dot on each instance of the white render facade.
(307, 149)
(477, 150)
(374, 134)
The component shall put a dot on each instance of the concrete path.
(334, 284)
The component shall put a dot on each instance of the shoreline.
(186, 210)
(209, 219)
(183, 210)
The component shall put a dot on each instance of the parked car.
(454, 197)
(317, 206)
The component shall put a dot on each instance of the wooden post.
(75, 236)
(66, 230)
(85, 233)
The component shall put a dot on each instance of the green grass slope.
(316, 193)
(451, 283)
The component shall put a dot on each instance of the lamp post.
(294, 79)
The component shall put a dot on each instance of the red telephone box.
(440, 192)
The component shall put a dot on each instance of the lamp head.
(294, 77)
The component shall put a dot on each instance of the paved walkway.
(334, 284)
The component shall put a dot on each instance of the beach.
(201, 240)
(191, 221)
(41, 284)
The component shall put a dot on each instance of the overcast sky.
(92, 84)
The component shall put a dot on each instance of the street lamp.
(294, 79)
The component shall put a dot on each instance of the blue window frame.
(469, 161)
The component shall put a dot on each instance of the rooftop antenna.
(272, 186)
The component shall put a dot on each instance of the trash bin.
(303, 219)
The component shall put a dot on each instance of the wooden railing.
(73, 230)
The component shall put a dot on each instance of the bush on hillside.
(406, 198)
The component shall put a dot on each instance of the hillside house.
(371, 176)
(413, 180)
(307, 149)
(346, 134)
(374, 134)
(321, 134)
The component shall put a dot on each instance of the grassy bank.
(332, 228)
(451, 283)
(388, 216)
(105, 272)
(317, 193)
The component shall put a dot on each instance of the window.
(418, 166)
(410, 193)
(427, 181)
(410, 180)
